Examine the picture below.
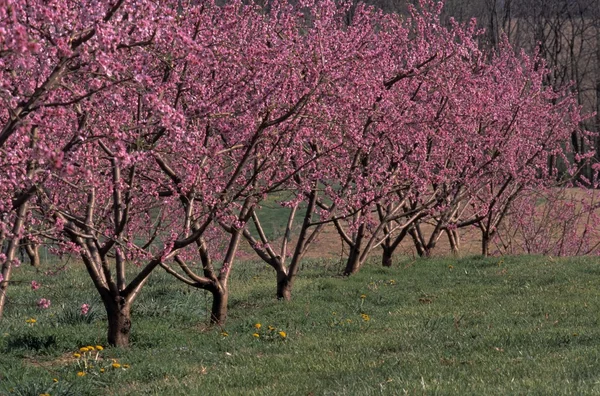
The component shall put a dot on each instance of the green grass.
(520, 325)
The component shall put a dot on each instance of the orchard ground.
(511, 325)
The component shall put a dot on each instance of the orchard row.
(143, 134)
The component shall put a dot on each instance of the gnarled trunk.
(218, 313)
(418, 241)
(11, 254)
(33, 253)
(119, 321)
(354, 263)
(284, 286)
(386, 258)
(454, 240)
(485, 244)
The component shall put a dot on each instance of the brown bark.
(284, 286)
(485, 244)
(354, 258)
(418, 240)
(386, 258)
(218, 313)
(454, 240)
(118, 311)
(33, 253)
(11, 253)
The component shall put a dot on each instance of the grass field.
(517, 325)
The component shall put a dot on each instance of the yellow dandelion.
(257, 326)
(363, 296)
(81, 373)
(99, 347)
(54, 379)
(44, 394)
(90, 348)
(271, 328)
(31, 321)
(83, 349)
(116, 365)
(77, 355)
(225, 334)
(101, 370)
(255, 335)
(366, 317)
(282, 334)
(126, 366)
(450, 267)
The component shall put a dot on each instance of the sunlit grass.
(471, 326)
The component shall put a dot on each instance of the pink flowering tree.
(268, 133)
(496, 142)
(48, 53)
(387, 183)
(555, 221)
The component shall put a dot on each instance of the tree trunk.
(418, 241)
(453, 238)
(485, 244)
(386, 258)
(353, 264)
(119, 321)
(33, 253)
(284, 286)
(218, 313)
(11, 253)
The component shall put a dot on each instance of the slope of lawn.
(443, 326)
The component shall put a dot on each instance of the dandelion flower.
(366, 317)
(282, 334)
(101, 370)
(255, 335)
(225, 334)
(116, 365)
(257, 326)
(83, 349)
(90, 348)
(271, 328)
(31, 321)
(54, 379)
(126, 366)
(363, 296)
(81, 373)
(77, 355)
(99, 347)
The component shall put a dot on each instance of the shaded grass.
(472, 326)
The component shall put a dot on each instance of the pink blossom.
(85, 309)
(43, 303)
(35, 285)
